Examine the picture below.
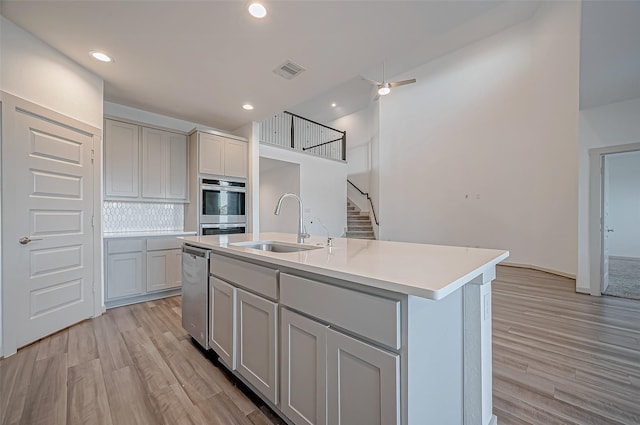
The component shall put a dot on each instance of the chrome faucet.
(302, 235)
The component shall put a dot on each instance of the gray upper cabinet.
(211, 158)
(145, 164)
(235, 158)
(164, 165)
(221, 156)
(122, 147)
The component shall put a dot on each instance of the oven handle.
(223, 226)
(222, 188)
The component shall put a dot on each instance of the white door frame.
(8, 326)
(596, 185)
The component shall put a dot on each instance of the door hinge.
(93, 155)
(92, 223)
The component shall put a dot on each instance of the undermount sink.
(273, 246)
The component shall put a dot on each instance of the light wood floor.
(559, 358)
(133, 365)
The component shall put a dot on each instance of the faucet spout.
(302, 235)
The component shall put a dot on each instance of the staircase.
(358, 224)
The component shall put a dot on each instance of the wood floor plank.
(198, 386)
(53, 345)
(143, 314)
(15, 377)
(82, 343)
(153, 370)
(46, 401)
(129, 402)
(173, 405)
(112, 350)
(237, 397)
(124, 318)
(87, 396)
(220, 410)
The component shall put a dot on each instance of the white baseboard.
(616, 257)
(542, 269)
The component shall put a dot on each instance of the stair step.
(359, 224)
(359, 234)
(367, 226)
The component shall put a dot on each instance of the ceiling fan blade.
(375, 83)
(402, 83)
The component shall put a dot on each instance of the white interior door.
(47, 208)
(605, 222)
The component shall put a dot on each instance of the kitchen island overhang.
(444, 294)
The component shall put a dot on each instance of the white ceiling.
(609, 52)
(201, 60)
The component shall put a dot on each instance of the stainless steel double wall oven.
(223, 204)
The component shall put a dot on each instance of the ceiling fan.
(384, 88)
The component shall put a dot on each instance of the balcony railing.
(295, 132)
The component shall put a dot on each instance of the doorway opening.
(615, 229)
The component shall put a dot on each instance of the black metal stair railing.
(373, 210)
(296, 132)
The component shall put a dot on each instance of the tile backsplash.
(141, 216)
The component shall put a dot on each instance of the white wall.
(609, 125)
(482, 150)
(624, 204)
(360, 132)
(276, 178)
(32, 70)
(323, 189)
(374, 172)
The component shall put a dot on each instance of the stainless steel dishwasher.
(195, 293)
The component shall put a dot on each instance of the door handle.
(26, 239)
(609, 230)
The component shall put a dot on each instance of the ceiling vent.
(288, 70)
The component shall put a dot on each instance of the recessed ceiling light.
(257, 10)
(333, 105)
(247, 107)
(103, 57)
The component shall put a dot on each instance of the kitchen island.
(360, 332)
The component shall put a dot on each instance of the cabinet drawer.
(259, 279)
(371, 316)
(126, 245)
(157, 244)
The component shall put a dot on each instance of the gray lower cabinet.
(124, 274)
(312, 373)
(256, 321)
(304, 369)
(222, 329)
(363, 382)
(164, 270)
(331, 378)
(141, 269)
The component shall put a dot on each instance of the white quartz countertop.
(427, 271)
(149, 234)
